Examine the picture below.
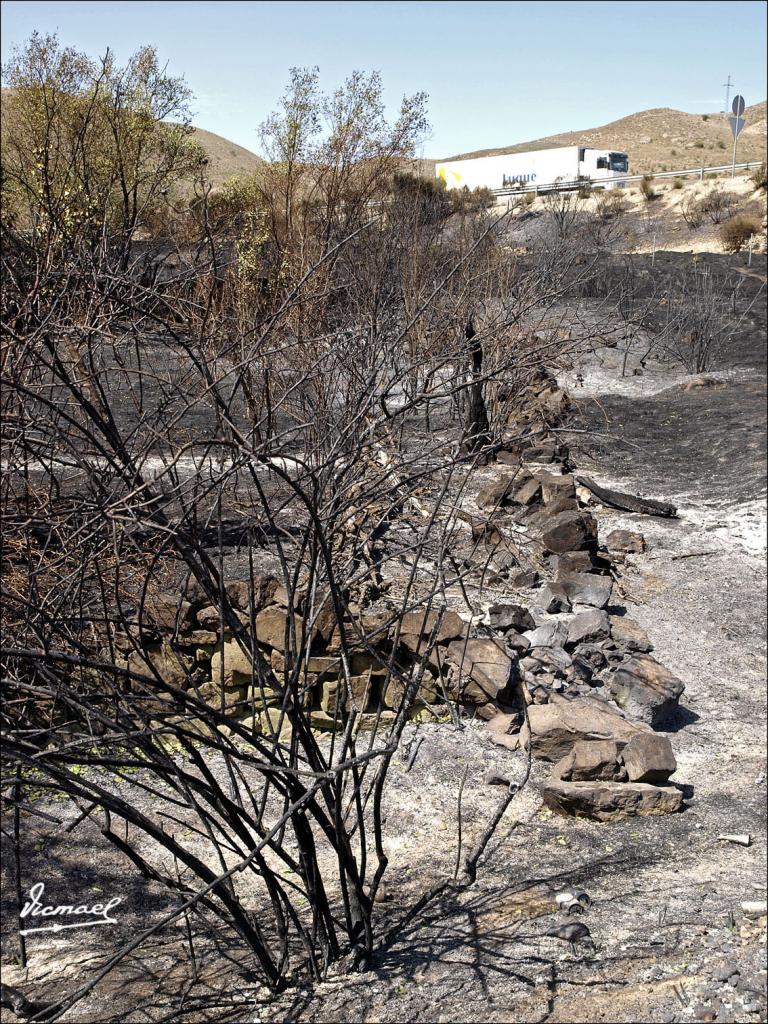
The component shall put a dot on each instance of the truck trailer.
(538, 168)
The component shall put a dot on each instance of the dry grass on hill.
(226, 158)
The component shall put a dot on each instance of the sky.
(496, 73)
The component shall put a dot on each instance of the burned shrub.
(759, 177)
(737, 231)
(647, 189)
(691, 211)
(717, 205)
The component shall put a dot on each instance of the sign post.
(737, 123)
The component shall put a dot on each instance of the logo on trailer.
(518, 179)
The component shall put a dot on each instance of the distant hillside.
(226, 158)
(660, 138)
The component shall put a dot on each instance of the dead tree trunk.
(477, 427)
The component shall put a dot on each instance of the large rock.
(554, 487)
(553, 633)
(226, 698)
(271, 627)
(569, 531)
(645, 689)
(496, 491)
(629, 634)
(587, 588)
(257, 593)
(611, 801)
(510, 616)
(173, 667)
(553, 598)
(355, 694)
(571, 561)
(503, 730)
(237, 665)
(591, 760)
(588, 625)
(649, 757)
(553, 728)
(526, 493)
(416, 628)
(484, 666)
(169, 611)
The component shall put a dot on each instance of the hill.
(659, 139)
(226, 158)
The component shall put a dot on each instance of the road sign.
(737, 123)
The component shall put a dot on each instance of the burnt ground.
(667, 918)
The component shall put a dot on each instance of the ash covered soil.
(672, 941)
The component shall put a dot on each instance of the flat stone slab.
(611, 801)
(554, 728)
(587, 588)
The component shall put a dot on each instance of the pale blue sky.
(496, 73)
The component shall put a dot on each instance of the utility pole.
(727, 85)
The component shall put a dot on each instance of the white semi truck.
(535, 169)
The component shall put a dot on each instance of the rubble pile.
(559, 670)
(588, 693)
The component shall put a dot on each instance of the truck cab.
(601, 163)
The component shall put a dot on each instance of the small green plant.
(705, 117)
(699, 145)
(646, 187)
(529, 198)
(673, 152)
(677, 183)
(737, 231)
(720, 144)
